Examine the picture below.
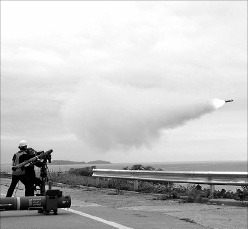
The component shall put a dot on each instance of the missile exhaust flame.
(217, 103)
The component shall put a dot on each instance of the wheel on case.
(46, 212)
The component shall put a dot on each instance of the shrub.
(137, 167)
(244, 192)
(146, 187)
(87, 171)
(71, 179)
(149, 168)
(141, 167)
(120, 184)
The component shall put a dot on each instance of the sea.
(214, 166)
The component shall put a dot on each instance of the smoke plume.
(108, 117)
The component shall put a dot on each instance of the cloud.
(121, 70)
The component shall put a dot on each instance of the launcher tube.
(32, 202)
(34, 159)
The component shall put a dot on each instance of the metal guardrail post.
(136, 185)
(212, 191)
(97, 181)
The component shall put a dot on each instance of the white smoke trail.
(108, 117)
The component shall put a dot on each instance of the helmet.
(23, 143)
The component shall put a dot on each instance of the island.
(98, 162)
(67, 162)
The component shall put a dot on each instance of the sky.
(140, 81)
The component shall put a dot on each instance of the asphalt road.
(89, 215)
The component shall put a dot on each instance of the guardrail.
(209, 178)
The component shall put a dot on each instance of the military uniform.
(30, 172)
(19, 174)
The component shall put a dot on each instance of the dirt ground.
(207, 215)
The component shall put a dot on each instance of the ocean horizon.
(224, 166)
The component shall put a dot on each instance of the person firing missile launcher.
(18, 173)
(21, 161)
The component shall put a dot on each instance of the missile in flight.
(229, 101)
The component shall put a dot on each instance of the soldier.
(18, 174)
(30, 171)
